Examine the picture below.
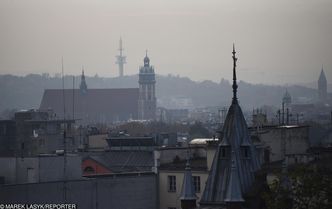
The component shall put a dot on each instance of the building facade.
(92, 106)
(172, 169)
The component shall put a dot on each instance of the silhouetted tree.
(310, 188)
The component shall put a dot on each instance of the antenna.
(73, 97)
(120, 59)
(64, 136)
(63, 90)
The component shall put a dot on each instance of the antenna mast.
(64, 136)
(120, 59)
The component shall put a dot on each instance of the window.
(223, 152)
(197, 183)
(171, 183)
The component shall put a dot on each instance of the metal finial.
(234, 76)
(146, 52)
(120, 45)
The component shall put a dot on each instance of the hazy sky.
(281, 41)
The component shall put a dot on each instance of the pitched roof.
(124, 161)
(96, 105)
(237, 149)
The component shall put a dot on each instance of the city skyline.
(280, 42)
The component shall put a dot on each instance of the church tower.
(147, 101)
(83, 86)
(322, 87)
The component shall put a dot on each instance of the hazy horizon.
(277, 42)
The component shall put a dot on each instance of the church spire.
(234, 86)
(322, 87)
(83, 85)
(232, 172)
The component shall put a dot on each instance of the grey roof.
(222, 178)
(125, 161)
(196, 164)
(95, 105)
(188, 189)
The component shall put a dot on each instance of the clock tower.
(147, 101)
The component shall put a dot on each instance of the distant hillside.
(315, 85)
(19, 92)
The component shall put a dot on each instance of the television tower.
(120, 59)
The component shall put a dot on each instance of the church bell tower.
(147, 101)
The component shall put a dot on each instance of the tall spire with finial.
(235, 162)
(234, 76)
(83, 85)
(322, 87)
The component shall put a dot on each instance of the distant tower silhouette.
(83, 86)
(287, 100)
(147, 101)
(120, 59)
(322, 87)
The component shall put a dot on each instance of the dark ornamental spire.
(234, 164)
(234, 76)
